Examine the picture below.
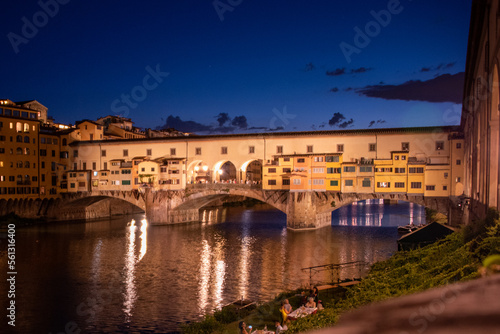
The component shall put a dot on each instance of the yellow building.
(333, 171)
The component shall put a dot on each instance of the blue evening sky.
(279, 64)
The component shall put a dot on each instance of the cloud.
(345, 124)
(338, 119)
(334, 90)
(380, 121)
(442, 66)
(184, 126)
(309, 67)
(240, 122)
(444, 88)
(361, 70)
(222, 118)
(338, 71)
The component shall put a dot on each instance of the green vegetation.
(461, 256)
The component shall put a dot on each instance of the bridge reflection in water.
(373, 212)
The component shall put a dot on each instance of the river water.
(123, 275)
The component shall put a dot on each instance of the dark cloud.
(336, 119)
(222, 118)
(361, 70)
(345, 124)
(184, 126)
(309, 67)
(444, 88)
(348, 89)
(442, 66)
(240, 122)
(334, 90)
(380, 121)
(338, 71)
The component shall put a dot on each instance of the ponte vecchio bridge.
(306, 175)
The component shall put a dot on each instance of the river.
(124, 275)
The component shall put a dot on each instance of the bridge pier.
(302, 212)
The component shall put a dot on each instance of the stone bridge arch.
(178, 207)
(99, 204)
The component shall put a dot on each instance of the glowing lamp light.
(219, 171)
(196, 168)
(205, 168)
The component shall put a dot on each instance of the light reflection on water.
(155, 277)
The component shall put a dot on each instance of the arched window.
(19, 151)
(26, 151)
(26, 127)
(26, 139)
(26, 164)
(19, 126)
(64, 142)
(19, 139)
(19, 179)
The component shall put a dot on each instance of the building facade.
(480, 111)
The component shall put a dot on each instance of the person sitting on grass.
(310, 302)
(243, 328)
(283, 313)
(279, 328)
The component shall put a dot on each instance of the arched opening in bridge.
(225, 171)
(251, 172)
(199, 172)
(379, 213)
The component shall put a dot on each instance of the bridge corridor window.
(125, 153)
(286, 182)
(197, 151)
(372, 147)
(309, 149)
(366, 183)
(279, 149)
(439, 145)
(405, 146)
(271, 170)
(149, 151)
(103, 153)
(383, 184)
(349, 169)
(296, 181)
(340, 147)
(365, 169)
(416, 185)
(399, 185)
(330, 158)
(429, 187)
(349, 183)
(400, 170)
(271, 182)
(172, 151)
(223, 150)
(334, 183)
(251, 149)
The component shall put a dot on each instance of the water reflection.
(155, 277)
(374, 212)
(131, 260)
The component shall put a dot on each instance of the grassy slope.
(454, 259)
